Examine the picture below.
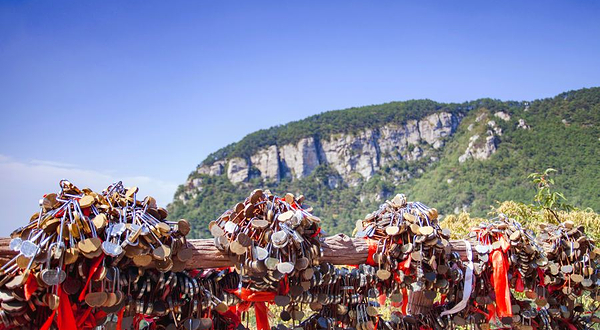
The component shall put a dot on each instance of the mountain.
(452, 156)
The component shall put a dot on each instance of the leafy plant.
(545, 197)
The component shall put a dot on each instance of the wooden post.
(418, 303)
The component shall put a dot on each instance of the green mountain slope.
(561, 132)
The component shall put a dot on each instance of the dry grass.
(529, 217)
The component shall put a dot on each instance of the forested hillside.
(455, 157)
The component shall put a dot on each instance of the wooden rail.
(339, 249)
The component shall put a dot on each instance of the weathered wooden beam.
(5, 252)
(338, 250)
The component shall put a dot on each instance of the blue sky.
(96, 91)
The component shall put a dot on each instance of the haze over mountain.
(452, 156)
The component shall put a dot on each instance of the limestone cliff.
(455, 156)
(354, 157)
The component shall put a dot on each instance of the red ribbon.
(404, 301)
(139, 318)
(284, 286)
(82, 319)
(491, 312)
(519, 285)
(500, 282)
(541, 276)
(60, 213)
(480, 311)
(48, 323)
(259, 298)
(553, 288)
(65, 320)
(93, 270)
(405, 265)
(30, 286)
(100, 314)
(317, 232)
(253, 296)
(232, 316)
(372, 244)
(262, 319)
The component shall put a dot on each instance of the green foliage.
(564, 135)
(572, 148)
(547, 210)
(545, 197)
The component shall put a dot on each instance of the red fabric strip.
(83, 317)
(541, 276)
(553, 288)
(405, 265)
(519, 285)
(136, 321)
(65, 320)
(48, 323)
(491, 312)
(232, 317)
(316, 232)
(30, 286)
(254, 296)
(500, 282)
(284, 286)
(259, 298)
(478, 310)
(93, 270)
(100, 314)
(244, 306)
(262, 319)
(372, 244)
(404, 301)
(195, 272)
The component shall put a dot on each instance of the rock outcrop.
(480, 148)
(267, 162)
(300, 159)
(215, 169)
(348, 154)
(522, 124)
(502, 115)
(237, 170)
(352, 156)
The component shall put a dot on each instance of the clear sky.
(142, 91)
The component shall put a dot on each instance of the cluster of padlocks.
(111, 260)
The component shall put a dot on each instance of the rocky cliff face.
(456, 157)
(483, 147)
(354, 157)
